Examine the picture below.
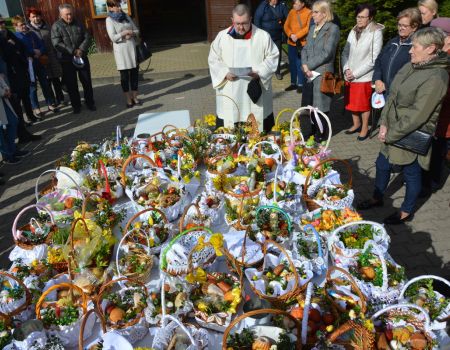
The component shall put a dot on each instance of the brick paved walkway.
(422, 245)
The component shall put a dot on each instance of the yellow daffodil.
(138, 225)
(197, 174)
(236, 293)
(216, 241)
(199, 275)
(202, 306)
(258, 169)
(369, 325)
(210, 119)
(35, 263)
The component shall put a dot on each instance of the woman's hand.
(308, 73)
(294, 38)
(231, 77)
(379, 86)
(349, 75)
(127, 33)
(382, 133)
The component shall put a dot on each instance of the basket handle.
(61, 285)
(406, 305)
(309, 292)
(36, 187)
(259, 312)
(26, 302)
(418, 278)
(135, 216)
(131, 158)
(295, 115)
(272, 207)
(317, 236)
(83, 325)
(180, 135)
(276, 127)
(376, 250)
(170, 127)
(279, 160)
(350, 278)
(186, 210)
(122, 240)
(16, 220)
(309, 176)
(183, 327)
(234, 102)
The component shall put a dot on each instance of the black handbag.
(254, 90)
(418, 141)
(143, 51)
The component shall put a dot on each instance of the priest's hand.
(382, 133)
(253, 75)
(231, 77)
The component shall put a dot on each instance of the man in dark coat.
(270, 16)
(13, 53)
(71, 40)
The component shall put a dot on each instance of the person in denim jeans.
(35, 50)
(414, 103)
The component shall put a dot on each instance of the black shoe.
(137, 102)
(91, 107)
(279, 76)
(76, 111)
(350, 132)
(395, 219)
(21, 154)
(369, 203)
(13, 161)
(291, 87)
(362, 138)
(130, 105)
(299, 89)
(54, 109)
(32, 119)
(29, 138)
(28, 124)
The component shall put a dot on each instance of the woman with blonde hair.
(429, 11)
(318, 55)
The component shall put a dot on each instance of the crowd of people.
(409, 74)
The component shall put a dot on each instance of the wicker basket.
(16, 232)
(274, 210)
(129, 160)
(182, 224)
(298, 344)
(83, 326)
(7, 312)
(320, 262)
(311, 203)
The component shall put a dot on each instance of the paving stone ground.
(422, 246)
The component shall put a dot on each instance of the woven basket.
(28, 245)
(7, 312)
(83, 325)
(274, 209)
(319, 263)
(311, 203)
(364, 338)
(129, 160)
(106, 287)
(182, 222)
(298, 344)
(440, 321)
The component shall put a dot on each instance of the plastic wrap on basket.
(311, 248)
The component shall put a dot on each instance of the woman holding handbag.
(409, 120)
(296, 28)
(362, 48)
(318, 55)
(123, 33)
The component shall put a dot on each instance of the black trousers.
(129, 79)
(278, 44)
(56, 89)
(22, 132)
(71, 74)
(20, 87)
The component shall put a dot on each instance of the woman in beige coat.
(123, 33)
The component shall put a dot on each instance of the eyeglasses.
(244, 24)
(362, 17)
(403, 26)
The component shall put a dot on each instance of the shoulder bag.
(332, 84)
(417, 141)
(298, 44)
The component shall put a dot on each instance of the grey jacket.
(67, 37)
(319, 54)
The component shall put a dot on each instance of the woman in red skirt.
(363, 45)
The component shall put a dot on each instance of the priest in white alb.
(238, 55)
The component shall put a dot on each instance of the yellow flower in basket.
(210, 119)
(216, 241)
(236, 293)
(199, 275)
(369, 325)
(202, 306)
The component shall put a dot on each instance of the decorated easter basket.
(197, 219)
(67, 329)
(277, 281)
(107, 340)
(409, 326)
(152, 228)
(212, 205)
(348, 240)
(264, 334)
(310, 248)
(15, 297)
(174, 258)
(121, 302)
(420, 291)
(272, 222)
(105, 181)
(328, 196)
(61, 202)
(269, 155)
(174, 333)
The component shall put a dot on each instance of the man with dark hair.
(71, 40)
(270, 16)
(242, 60)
